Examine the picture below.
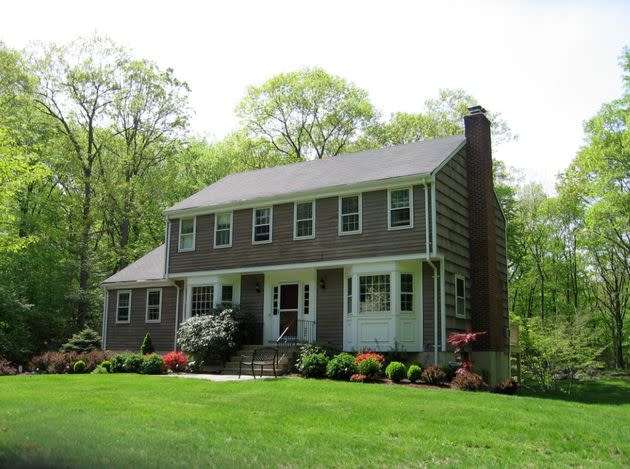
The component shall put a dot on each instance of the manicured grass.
(102, 421)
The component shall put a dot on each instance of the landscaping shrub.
(469, 381)
(414, 373)
(370, 367)
(508, 386)
(100, 370)
(362, 356)
(53, 362)
(309, 349)
(450, 372)
(118, 363)
(341, 367)
(396, 372)
(82, 342)
(133, 363)
(105, 364)
(358, 378)
(314, 365)
(175, 361)
(147, 345)
(210, 335)
(434, 375)
(79, 366)
(6, 369)
(153, 364)
(93, 358)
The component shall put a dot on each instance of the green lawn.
(101, 421)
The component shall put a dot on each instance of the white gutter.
(426, 217)
(176, 316)
(435, 311)
(105, 305)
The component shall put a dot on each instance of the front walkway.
(217, 378)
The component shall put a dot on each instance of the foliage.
(311, 348)
(204, 336)
(62, 362)
(434, 375)
(118, 362)
(469, 381)
(100, 370)
(376, 356)
(314, 365)
(175, 361)
(341, 367)
(508, 386)
(79, 366)
(370, 367)
(83, 341)
(147, 345)
(107, 365)
(153, 364)
(396, 372)
(414, 373)
(358, 378)
(133, 363)
(6, 368)
(461, 341)
(450, 371)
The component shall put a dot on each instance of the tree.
(306, 114)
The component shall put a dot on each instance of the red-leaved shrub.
(469, 381)
(62, 362)
(175, 361)
(434, 375)
(364, 356)
(6, 369)
(358, 378)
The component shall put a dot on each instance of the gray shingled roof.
(148, 267)
(354, 168)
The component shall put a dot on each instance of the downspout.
(434, 216)
(426, 217)
(435, 311)
(167, 241)
(105, 308)
(443, 302)
(176, 316)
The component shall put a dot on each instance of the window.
(307, 298)
(460, 296)
(154, 305)
(304, 220)
(350, 214)
(223, 230)
(202, 300)
(406, 292)
(374, 291)
(227, 293)
(262, 221)
(123, 306)
(187, 234)
(349, 296)
(275, 300)
(400, 209)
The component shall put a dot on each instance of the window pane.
(223, 221)
(262, 220)
(307, 298)
(399, 198)
(123, 299)
(350, 205)
(186, 241)
(374, 293)
(460, 286)
(400, 217)
(304, 228)
(202, 300)
(262, 216)
(406, 283)
(188, 225)
(304, 211)
(226, 293)
(349, 298)
(154, 298)
(223, 238)
(350, 223)
(460, 307)
(261, 233)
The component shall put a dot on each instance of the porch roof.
(148, 267)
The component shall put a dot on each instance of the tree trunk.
(84, 251)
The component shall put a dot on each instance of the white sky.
(546, 66)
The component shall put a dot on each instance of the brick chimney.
(485, 287)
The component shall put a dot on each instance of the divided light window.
(227, 293)
(187, 234)
(374, 293)
(262, 221)
(304, 220)
(406, 292)
(350, 214)
(460, 296)
(154, 305)
(123, 306)
(400, 207)
(349, 295)
(201, 300)
(223, 230)
(307, 298)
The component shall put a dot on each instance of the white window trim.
(216, 217)
(340, 218)
(413, 293)
(194, 235)
(222, 301)
(389, 208)
(146, 311)
(358, 292)
(295, 220)
(458, 314)
(118, 293)
(270, 207)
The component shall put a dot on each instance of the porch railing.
(297, 332)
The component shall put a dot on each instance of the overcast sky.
(546, 66)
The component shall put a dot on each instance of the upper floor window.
(262, 221)
(400, 208)
(374, 293)
(187, 227)
(406, 292)
(202, 300)
(350, 214)
(123, 306)
(223, 230)
(154, 305)
(304, 220)
(460, 296)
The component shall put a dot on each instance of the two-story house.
(385, 249)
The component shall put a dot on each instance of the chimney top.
(474, 110)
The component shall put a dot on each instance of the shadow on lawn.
(608, 392)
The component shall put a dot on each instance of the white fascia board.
(138, 284)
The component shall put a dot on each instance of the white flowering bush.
(211, 335)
